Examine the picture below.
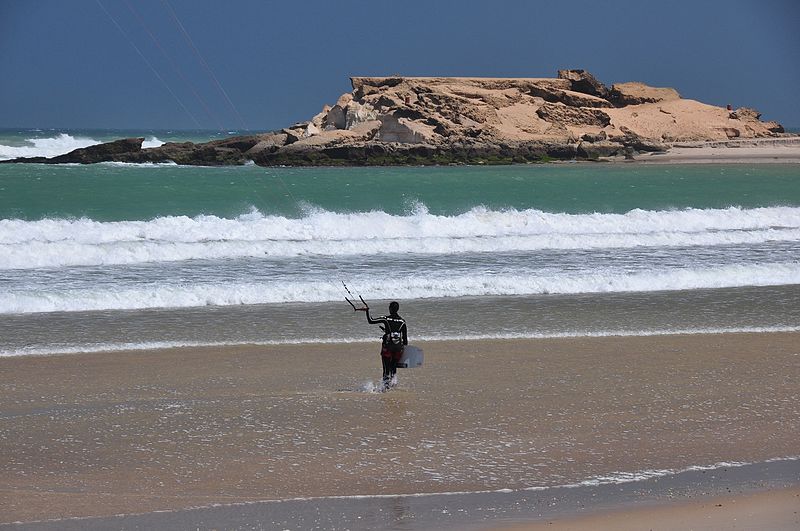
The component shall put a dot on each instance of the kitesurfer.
(395, 338)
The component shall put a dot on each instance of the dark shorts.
(391, 355)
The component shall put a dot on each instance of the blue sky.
(262, 65)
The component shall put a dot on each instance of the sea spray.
(46, 147)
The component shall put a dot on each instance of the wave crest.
(64, 242)
(58, 145)
(169, 295)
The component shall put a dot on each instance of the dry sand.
(745, 151)
(108, 433)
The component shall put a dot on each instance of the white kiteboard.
(412, 357)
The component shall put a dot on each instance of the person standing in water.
(395, 338)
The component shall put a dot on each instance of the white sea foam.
(152, 295)
(170, 164)
(154, 345)
(371, 387)
(72, 242)
(151, 142)
(616, 478)
(46, 147)
(58, 145)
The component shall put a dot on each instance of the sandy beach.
(101, 434)
(736, 151)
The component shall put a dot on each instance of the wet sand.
(775, 509)
(101, 434)
(758, 493)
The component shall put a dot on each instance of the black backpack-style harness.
(393, 339)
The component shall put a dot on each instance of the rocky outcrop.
(563, 114)
(583, 81)
(439, 120)
(624, 94)
(109, 151)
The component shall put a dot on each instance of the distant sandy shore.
(102, 434)
(746, 151)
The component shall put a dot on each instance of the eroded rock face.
(268, 143)
(583, 81)
(746, 113)
(335, 119)
(404, 131)
(560, 113)
(774, 127)
(602, 148)
(439, 120)
(634, 93)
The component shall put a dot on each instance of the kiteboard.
(412, 357)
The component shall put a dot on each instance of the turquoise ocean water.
(114, 256)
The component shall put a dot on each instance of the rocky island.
(441, 120)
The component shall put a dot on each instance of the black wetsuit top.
(390, 323)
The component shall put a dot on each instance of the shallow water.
(686, 311)
(178, 428)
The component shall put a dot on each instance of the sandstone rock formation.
(634, 93)
(438, 120)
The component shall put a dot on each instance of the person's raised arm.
(370, 320)
(365, 309)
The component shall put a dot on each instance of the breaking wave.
(171, 295)
(57, 145)
(83, 242)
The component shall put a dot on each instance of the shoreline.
(765, 493)
(132, 349)
(784, 151)
(167, 430)
(745, 151)
(771, 506)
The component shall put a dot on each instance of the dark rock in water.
(268, 143)
(106, 152)
(373, 153)
(109, 151)
(225, 152)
